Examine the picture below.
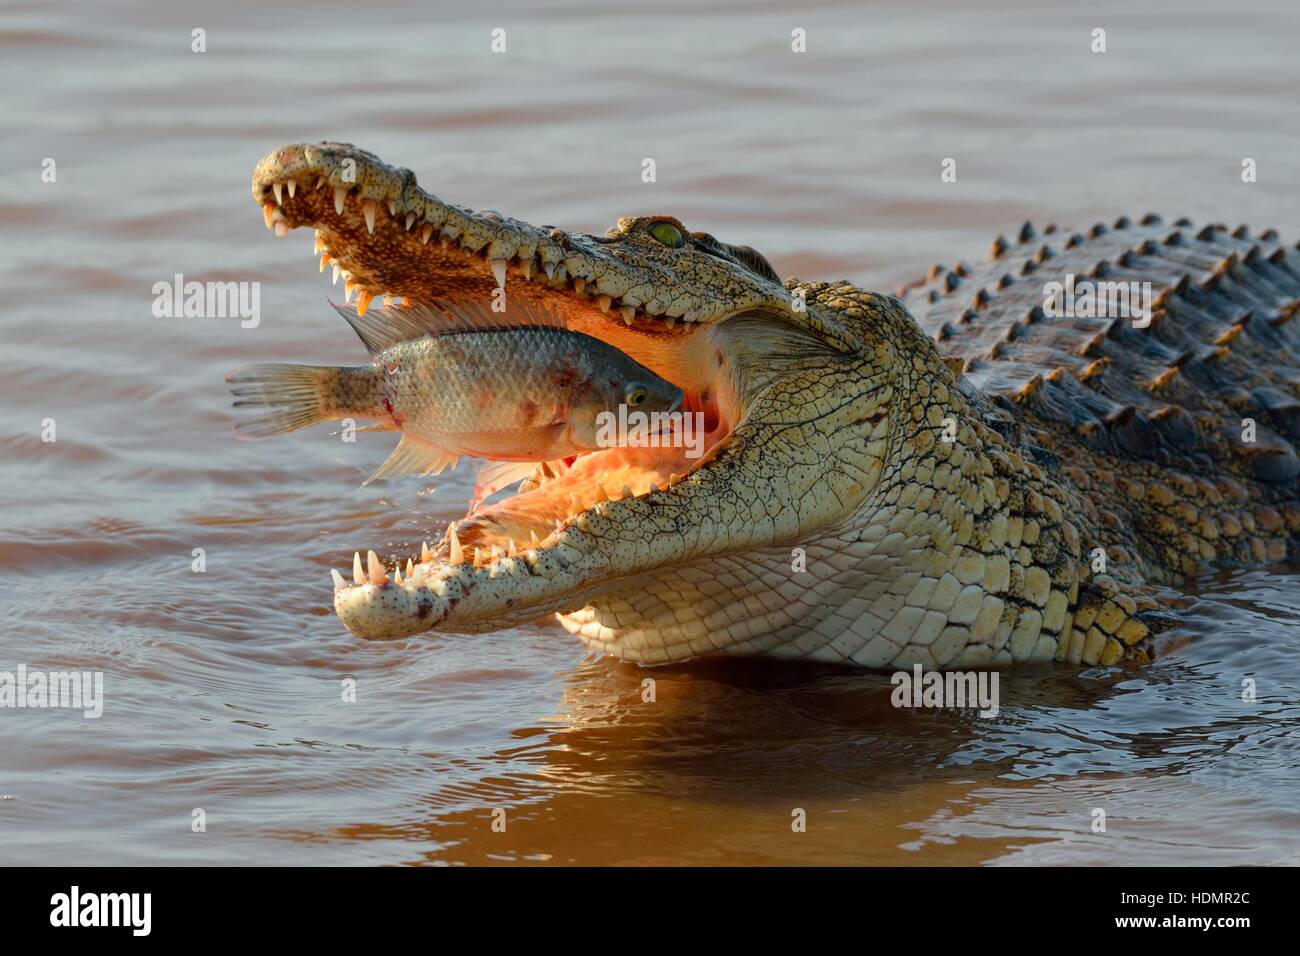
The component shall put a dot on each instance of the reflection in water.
(223, 688)
(712, 769)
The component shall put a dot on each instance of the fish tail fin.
(295, 391)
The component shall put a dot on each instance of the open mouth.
(388, 240)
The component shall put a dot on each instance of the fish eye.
(668, 234)
(636, 396)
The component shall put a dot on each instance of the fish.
(458, 379)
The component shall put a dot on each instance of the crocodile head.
(653, 554)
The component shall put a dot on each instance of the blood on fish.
(563, 378)
(392, 412)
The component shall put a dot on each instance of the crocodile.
(959, 475)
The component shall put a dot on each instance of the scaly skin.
(861, 501)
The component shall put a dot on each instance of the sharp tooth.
(511, 550)
(281, 228)
(339, 583)
(336, 273)
(358, 575)
(499, 271)
(629, 314)
(278, 189)
(627, 492)
(363, 301)
(268, 210)
(320, 182)
(670, 321)
(457, 556)
(527, 266)
(318, 244)
(397, 576)
(549, 267)
(293, 186)
(579, 284)
(410, 220)
(392, 208)
(348, 290)
(444, 241)
(340, 194)
(673, 478)
(425, 232)
(469, 253)
(600, 494)
(653, 488)
(478, 557)
(410, 567)
(604, 302)
(426, 556)
(532, 539)
(368, 210)
(377, 575)
(559, 525)
(324, 260)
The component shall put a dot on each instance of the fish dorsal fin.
(381, 329)
(413, 457)
(473, 315)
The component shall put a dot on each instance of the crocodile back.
(1193, 418)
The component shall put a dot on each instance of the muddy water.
(223, 688)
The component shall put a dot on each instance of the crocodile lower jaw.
(528, 545)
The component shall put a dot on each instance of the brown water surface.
(223, 688)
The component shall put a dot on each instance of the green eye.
(636, 396)
(667, 233)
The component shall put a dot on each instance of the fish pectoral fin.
(375, 427)
(413, 457)
(495, 475)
